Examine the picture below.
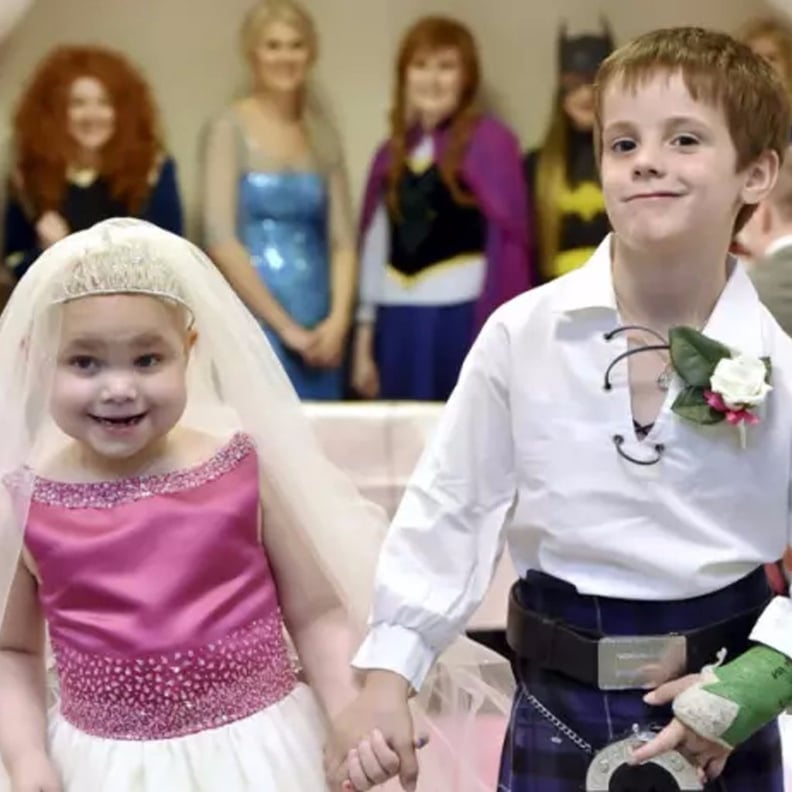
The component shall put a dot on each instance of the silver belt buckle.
(640, 661)
(610, 770)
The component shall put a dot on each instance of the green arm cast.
(735, 700)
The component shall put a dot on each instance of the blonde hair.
(322, 133)
(718, 70)
(288, 11)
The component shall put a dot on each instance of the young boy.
(630, 512)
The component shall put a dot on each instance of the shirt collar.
(736, 320)
(590, 286)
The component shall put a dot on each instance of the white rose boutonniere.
(720, 384)
(741, 382)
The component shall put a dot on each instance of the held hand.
(51, 228)
(327, 349)
(709, 757)
(34, 773)
(373, 762)
(381, 707)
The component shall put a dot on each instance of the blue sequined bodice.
(283, 225)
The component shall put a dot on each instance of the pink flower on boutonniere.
(734, 417)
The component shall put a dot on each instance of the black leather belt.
(622, 662)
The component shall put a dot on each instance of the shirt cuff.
(392, 647)
(774, 627)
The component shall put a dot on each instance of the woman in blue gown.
(276, 204)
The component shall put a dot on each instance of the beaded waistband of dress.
(165, 695)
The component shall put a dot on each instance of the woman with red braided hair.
(87, 147)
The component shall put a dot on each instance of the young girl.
(177, 516)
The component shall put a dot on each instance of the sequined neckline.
(107, 494)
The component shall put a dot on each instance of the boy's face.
(669, 165)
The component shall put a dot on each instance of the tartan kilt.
(538, 757)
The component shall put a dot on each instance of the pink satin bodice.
(162, 609)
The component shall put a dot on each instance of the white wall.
(188, 50)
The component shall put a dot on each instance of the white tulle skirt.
(278, 749)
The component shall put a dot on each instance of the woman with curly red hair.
(87, 147)
(444, 238)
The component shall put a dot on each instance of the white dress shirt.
(524, 454)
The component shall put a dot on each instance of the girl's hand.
(34, 772)
(372, 762)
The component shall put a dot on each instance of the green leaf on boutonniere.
(691, 405)
(694, 356)
(768, 367)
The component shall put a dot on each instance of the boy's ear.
(760, 177)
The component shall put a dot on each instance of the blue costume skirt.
(537, 757)
(419, 350)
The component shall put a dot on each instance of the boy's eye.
(685, 140)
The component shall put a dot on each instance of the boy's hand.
(722, 707)
(707, 756)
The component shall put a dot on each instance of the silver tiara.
(119, 268)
